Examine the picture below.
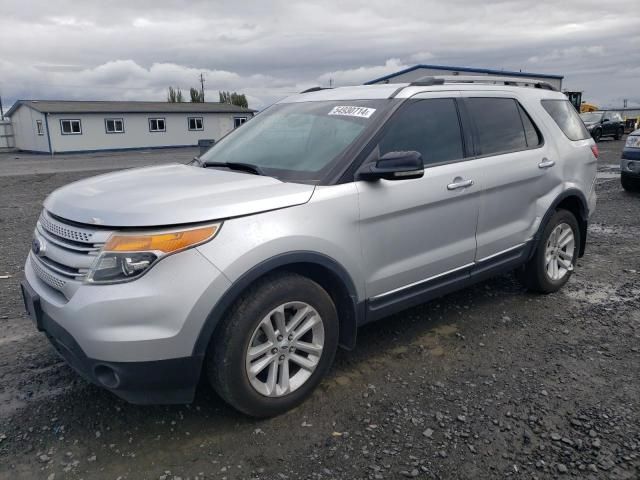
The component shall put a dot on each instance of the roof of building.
(79, 107)
(464, 69)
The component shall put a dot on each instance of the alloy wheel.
(559, 252)
(284, 349)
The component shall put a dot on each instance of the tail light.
(595, 151)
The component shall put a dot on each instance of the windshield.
(297, 141)
(591, 117)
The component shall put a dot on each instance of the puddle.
(429, 343)
(607, 175)
(598, 294)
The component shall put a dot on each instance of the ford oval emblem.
(38, 246)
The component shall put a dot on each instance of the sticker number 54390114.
(362, 112)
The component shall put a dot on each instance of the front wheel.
(556, 254)
(275, 346)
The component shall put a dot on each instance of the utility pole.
(330, 82)
(625, 103)
(1, 109)
(202, 86)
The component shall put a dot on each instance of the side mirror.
(605, 120)
(394, 166)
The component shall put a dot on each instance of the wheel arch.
(320, 268)
(574, 201)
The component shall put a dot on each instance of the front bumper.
(150, 382)
(135, 339)
(630, 163)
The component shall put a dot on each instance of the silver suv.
(330, 209)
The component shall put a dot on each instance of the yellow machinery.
(588, 107)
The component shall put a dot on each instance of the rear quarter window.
(566, 117)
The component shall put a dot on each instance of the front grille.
(66, 251)
(65, 231)
(46, 277)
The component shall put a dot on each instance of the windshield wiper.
(245, 167)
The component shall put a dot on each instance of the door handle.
(459, 183)
(546, 163)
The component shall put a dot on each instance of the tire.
(597, 135)
(630, 184)
(534, 274)
(247, 325)
(619, 134)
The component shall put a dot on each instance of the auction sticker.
(362, 112)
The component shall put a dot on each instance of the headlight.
(126, 256)
(633, 141)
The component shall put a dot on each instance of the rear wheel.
(556, 254)
(597, 134)
(619, 133)
(275, 346)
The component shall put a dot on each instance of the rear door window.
(498, 123)
(430, 127)
(566, 117)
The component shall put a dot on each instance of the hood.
(170, 195)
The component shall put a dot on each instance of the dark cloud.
(269, 49)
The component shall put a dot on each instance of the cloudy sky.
(119, 50)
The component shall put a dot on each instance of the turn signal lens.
(161, 242)
(126, 257)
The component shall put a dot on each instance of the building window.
(237, 121)
(70, 127)
(39, 127)
(114, 125)
(157, 125)
(195, 123)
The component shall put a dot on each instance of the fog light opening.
(106, 376)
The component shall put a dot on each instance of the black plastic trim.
(348, 324)
(582, 222)
(426, 291)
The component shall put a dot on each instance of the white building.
(52, 126)
(418, 71)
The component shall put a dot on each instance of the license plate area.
(32, 304)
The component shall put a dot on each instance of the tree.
(196, 95)
(239, 99)
(174, 95)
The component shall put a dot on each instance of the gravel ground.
(490, 382)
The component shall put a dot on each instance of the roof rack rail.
(491, 79)
(315, 89)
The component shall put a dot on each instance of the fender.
(348, 321)
(582, 221)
